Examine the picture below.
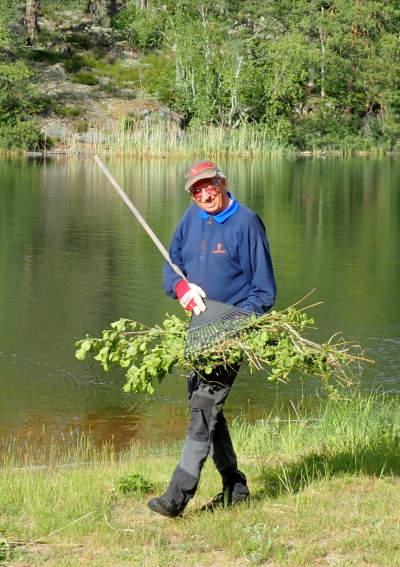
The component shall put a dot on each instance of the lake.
(73, 259)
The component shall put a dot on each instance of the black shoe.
(225, 499)
(163, 507)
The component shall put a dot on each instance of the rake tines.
(214, 325)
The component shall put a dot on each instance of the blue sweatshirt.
(227, 255)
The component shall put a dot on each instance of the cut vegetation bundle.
(275, 342)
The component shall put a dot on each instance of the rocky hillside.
(76, 109)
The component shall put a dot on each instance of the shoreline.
(290, 153)
(324, 486)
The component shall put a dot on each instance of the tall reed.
(161, 139)
(141, 138)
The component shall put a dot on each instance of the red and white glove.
(190, 297)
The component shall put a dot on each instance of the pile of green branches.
(275, 342)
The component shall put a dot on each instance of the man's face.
(215, 199)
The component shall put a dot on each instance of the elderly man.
(221, 247)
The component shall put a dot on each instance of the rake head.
(214, 325)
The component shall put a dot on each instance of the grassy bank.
(141, 139)
(324, 492)
(160, 139)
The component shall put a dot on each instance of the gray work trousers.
(208, 435)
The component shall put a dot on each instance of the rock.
(123, 45)
(103, 81)
(116, 51)
(58, 69)
(56, 128)
(46, 24)
(130, 63)
(125, 93)
(164, 114)
(98, 30)
(64, 26)
(80, 27)
(122, 50)
(62, 48)
(303, 108)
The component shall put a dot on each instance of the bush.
(134, 483)
(42, 56)
(75, 63)
(142, 28)
(81, 126)
(85, 79)
(80, 40)
(110, 88)
(67, 111)
(21, 136)
(334, 133)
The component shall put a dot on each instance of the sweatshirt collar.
(222, 216)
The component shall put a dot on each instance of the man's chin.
(212, 210)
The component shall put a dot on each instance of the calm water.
(73, 259)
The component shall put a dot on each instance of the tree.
(102, 10)
(31, 20)
(4, 20)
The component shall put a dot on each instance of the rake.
(219, 321)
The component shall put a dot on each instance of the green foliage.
(235, 62)
(66, 111)
(75, 63)
(42, 56)
(7, 15)
(80, 40)
(5, 551)
(256, 542)
(81, 126)
(14, 77)
(136, 484)
(275, 340)
(85, 79)
(21, 136)
(142, 28)
(18, 99)
(230, 63)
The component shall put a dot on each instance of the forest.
(309, 74)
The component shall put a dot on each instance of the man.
(221, 247)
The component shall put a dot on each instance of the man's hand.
(190, 297)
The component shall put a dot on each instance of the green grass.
(85, 79)
(325, 491)
(137, 137)
(139, 76)
(66, 111)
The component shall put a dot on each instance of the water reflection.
(73, 259)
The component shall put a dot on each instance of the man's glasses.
(211, 189)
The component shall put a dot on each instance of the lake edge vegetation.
(248, 78)
(324, 491)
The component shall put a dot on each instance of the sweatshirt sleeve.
(170, 278)
(258, 270)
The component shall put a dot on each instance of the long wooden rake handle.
(139, 217)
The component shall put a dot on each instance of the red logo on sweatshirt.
(218, 250)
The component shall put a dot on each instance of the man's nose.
(205, 194)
